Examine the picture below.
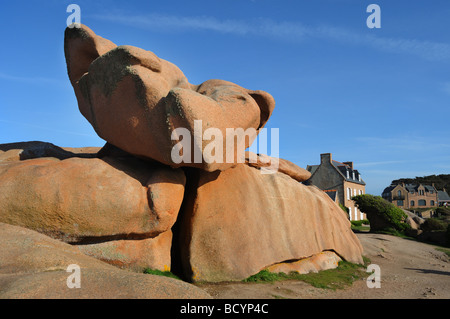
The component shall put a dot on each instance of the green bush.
(344, 208)
(431, 224)
(442, 212)
(359, 223)
(383, 215)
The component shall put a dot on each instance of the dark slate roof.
(332, 193)
(409, 188)
(389, 189)
(443, 196)
(344, 168)
(312, 168)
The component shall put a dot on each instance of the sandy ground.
(409, 269)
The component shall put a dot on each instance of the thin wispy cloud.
(404, 143)
(285, 30)
(29, 80)
(39, 127)
(379, 163)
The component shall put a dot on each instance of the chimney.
(325, 158)
(349, 164)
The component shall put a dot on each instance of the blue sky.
(377, 97)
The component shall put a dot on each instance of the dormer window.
(348, 174)
(353, 175)
(359, 177)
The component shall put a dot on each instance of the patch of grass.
(265, 276)
(341, 277)
(444, 250)
(361, 228)
(157, 272)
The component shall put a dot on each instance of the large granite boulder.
(77, 199)
(137, 101)
(34, 266)
(13, 152)
(239, 221)
(168, 190)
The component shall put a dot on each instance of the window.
(353, 175)
(360, 192)
(354, 192)
(412, 203)
(359, 177)
(399, 203)
(399, 193)
(350, 213)
(349, 193)
(348, 174)
(432, 203)
(422, 202)
(420, 192)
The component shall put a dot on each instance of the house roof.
(389, 189)
(409, 187)
(332, 193)
(443, 196)
(312, 168)
(342, 169)
(353, 174)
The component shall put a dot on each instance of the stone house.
(411, 196)
(339, 180)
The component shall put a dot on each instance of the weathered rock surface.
(321, 261)
(34, 266)
(29, 150)
(135, 101)
(280, 165)
(135, 255)
(239, 221)
(77, 199)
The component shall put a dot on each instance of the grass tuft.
(157, 272)
(339, 278)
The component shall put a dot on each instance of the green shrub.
(344, 208)
(431, 224)
(356, 223)
(383, 215)
(442, 212)
(359, 223)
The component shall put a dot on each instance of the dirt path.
(409, 269)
